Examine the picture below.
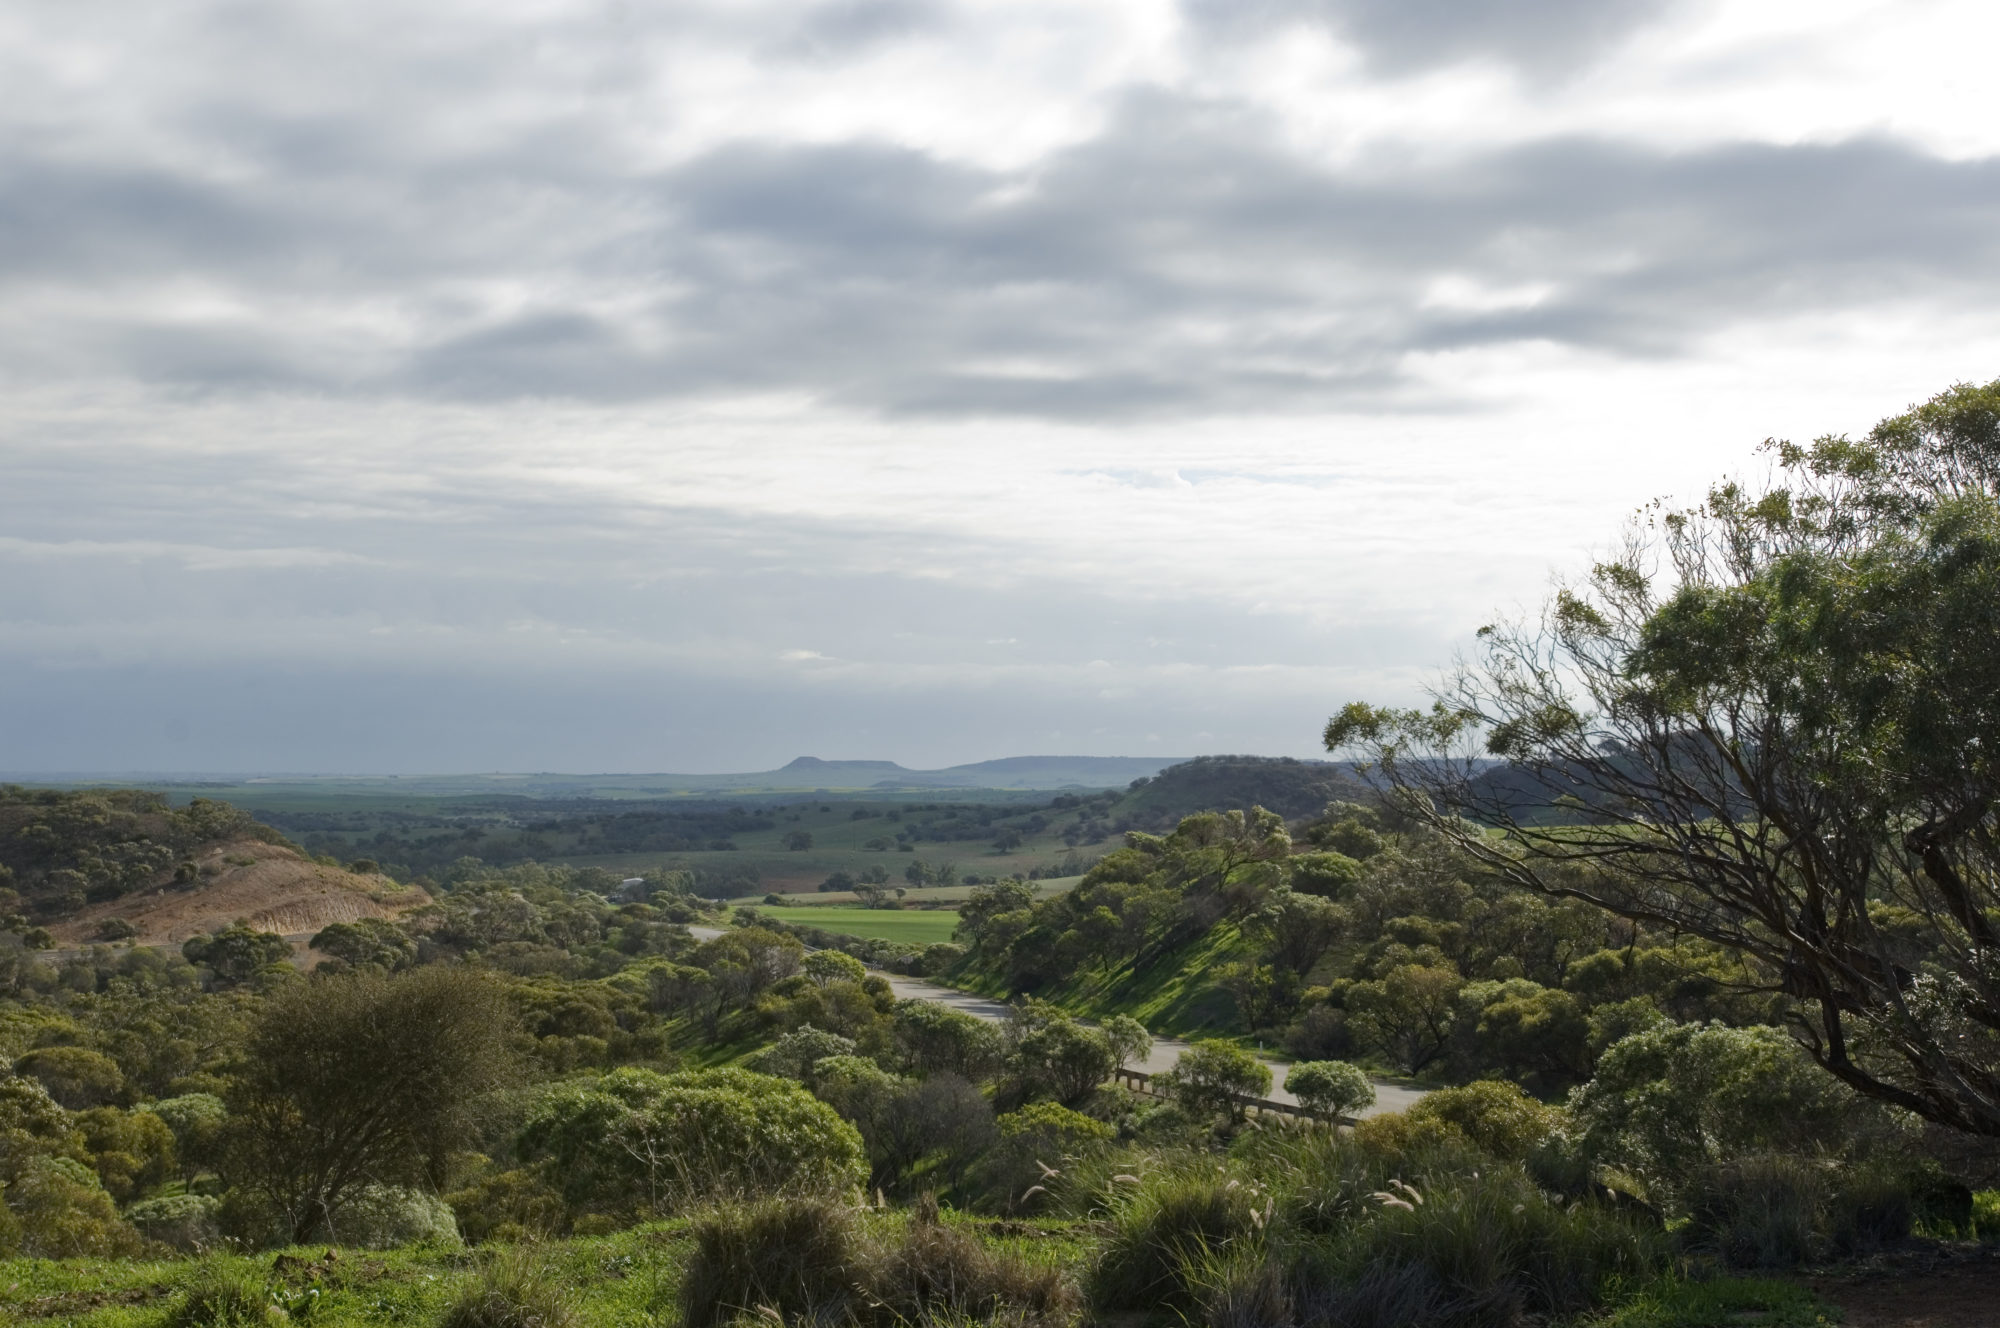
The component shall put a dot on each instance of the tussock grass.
(823, 1262)
(795, 1257)
(221, 1294)
(519, 1289)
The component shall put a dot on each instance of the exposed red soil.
(1943, 1291)
(270, 887)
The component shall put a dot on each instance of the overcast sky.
(590, 385)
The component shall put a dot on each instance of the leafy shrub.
(1039, 1146)
(1330, 1088)
(1059, 1058)
(381, 1217)
(76, 1077)
(60, 1211)
(507, 1205)
(184, 1221)
(794, 1055)
(936, 1039)
(1667, 1101)
(1210, 1076)
(1498, 1118)
(634, 1139)
(132, 1151)
(829, 966)
(197, 1121)
(1489, 1247)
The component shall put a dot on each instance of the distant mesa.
(803, 763)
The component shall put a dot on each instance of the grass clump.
(221, 1294)
(1178, 1233)
(516, 1290)
(819, 1260)
(1458, 1239)
(798, 1257)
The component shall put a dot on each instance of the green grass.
(909, 925)
(630, 1279)
(1726, 1302)
(938, 894)
(1174, 997)
(620, 1281)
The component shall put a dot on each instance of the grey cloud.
(839, 28)
(1544, 37)
(1182, 262)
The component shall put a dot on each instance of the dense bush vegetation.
(525, 1060)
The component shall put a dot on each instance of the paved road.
(1166, 1051)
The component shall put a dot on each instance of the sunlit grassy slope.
(1175, 996)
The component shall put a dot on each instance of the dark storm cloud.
(1544, 37)
(1182, 261)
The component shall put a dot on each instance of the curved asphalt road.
(1166, 1051)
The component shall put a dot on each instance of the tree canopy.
(1773, 722)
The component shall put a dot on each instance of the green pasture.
(941, 894)
(911, 926)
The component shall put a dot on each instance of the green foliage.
(1670, 1100)
(800, 1255)
(76, 1077)
(380, 1217)
(936, 1039)
(795, 1055)
(1769, 724)
(1129, 1041)
(237, 953)
(636, 1141)
(57, 1209)
(1055, 1056)
(1164, 1230)
(1409, 1013)
(132, 1152)
(362, 1079)
(1325, 874)
(60, 851)
(1330, 1088)
(376, 942)
(827, 966)
(185, 1221)
(1210, 1076)
(1157, 894)
(1495, 1117)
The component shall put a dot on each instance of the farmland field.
(910, 926)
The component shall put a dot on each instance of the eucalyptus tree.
(1773, 722)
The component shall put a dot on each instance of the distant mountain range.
(1009, 772)
(807, 774)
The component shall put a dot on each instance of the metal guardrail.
(1141, 1082)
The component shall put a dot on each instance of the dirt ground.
(271, 888)
(1929, 1292)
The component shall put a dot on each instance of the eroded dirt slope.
(271, 887)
